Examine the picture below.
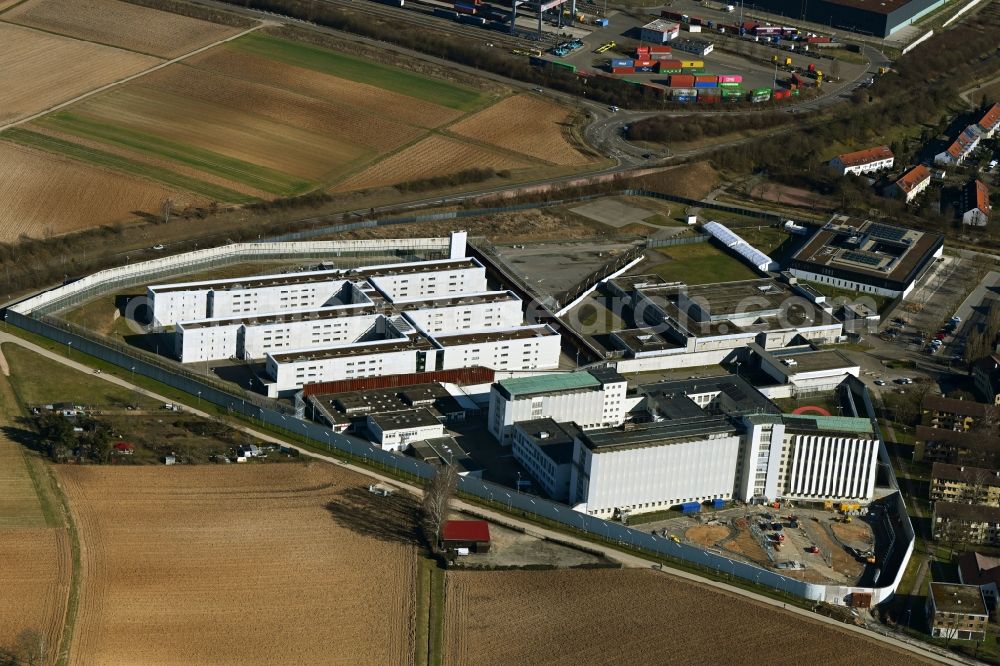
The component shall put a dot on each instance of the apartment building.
(966, 523)
(964, 484)
(869, 160)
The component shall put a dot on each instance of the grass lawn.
(833, 293)
(362, 71)
(260, 177)
(661, 220)
(124, 164)
(39, 381)
(764, 238)
(701, 263)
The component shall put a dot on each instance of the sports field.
(700, 263)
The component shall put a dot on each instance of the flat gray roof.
(411, 418)
(655, 434)
(523, 333)
(954, 598)
(554, 439)
(315, 314)
(413, 343)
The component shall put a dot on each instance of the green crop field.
(363, 71)
(701, 263)
(105, 159)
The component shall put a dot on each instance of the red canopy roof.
(466, 530)
(124, 446)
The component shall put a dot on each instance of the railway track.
(420, 13)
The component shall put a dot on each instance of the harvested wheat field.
(43, 195)
(253, 564)
(504, 125)
(434, 156)
(34, 580)
(41, 70)
(706, 535)
(120, 24)
(631, 617)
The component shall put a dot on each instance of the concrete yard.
(554, 267)
(613, 213)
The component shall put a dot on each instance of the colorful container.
(730, 78)
(681, 81)
(621, 62)
(623, 70)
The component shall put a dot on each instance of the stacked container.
(681, 81)
(706, 82)
(670, 67)
(730, 80)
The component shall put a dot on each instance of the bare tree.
(31, 647)
(167, 209)
(437, 497)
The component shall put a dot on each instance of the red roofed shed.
(124, 448)
(471, 534)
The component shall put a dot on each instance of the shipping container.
(732, 92)
(563, 65)
(648, 68)
(660, 48)
(643, 62)
(602, 22)
(690, 507)
(661, 70)
(683, 99)
(445, 13)
(641, 50)
(730, 85)
(471, 20)
(621, 62)
(692, 63)
(709, 99)
(705, 79)
(706, 84)
(465, 8)
(681, 81)
(623, 70)
(671, 63)
(683, 92)
(730, 78)
(693, 70)
(536, 61)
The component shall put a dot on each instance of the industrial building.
(801, 369)
(879, 19)
(957, 612)
(591, 399)
(348, 411)
(687, 326)
(659, 31)
(545, 449)
(523, 349)
(328, 325)
(909, 186)
(696, 440)
(395, 431)
(861, 255)
(869, 160)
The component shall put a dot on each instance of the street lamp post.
(69, 348)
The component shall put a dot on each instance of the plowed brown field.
(525, 124)
(34, 579)
(41, 194)
(238, 565)
(632, 617)
(119, 24)
(40, 69)
(434, 156)
(706, 535)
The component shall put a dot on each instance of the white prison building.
(514, 349)
(591, 399)
(491, 309)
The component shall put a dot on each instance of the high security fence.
(267, 414)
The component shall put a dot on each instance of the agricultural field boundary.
(133, 77)
(372, 457)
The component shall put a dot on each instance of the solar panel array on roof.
(865, 258)
(887, 232)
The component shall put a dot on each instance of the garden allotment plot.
(259, 117)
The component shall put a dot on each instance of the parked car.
(880, 382)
